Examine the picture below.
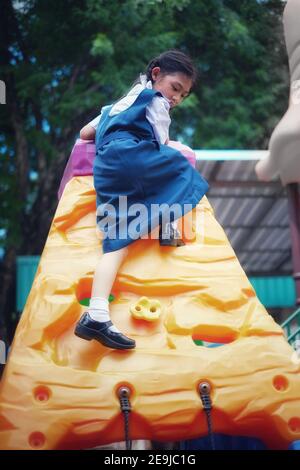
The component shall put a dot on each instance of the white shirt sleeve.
(127, 100)
(94, 123)
(157, 113)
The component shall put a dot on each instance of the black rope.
(125, 406)
(204, 389)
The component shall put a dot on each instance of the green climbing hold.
(85, 302)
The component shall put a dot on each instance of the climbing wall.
(60, 392)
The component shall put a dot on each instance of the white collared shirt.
(157, 112)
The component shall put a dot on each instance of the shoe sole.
(176, 244)
(83, 333)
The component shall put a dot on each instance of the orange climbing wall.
(59, 392)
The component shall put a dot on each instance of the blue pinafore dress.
(136, 178)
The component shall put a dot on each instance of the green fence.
(275, 291)
(292, 329)
(26, 269)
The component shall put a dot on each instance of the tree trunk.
(7, 295)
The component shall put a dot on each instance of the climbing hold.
(86, 301)
(146, 309)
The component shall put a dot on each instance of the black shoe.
(170, 236)
(88, 329)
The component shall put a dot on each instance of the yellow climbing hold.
(146, 309)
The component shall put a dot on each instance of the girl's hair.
(173, 61)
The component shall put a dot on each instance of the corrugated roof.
(254, 214)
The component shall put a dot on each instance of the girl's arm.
(88, 132)
(157, 113)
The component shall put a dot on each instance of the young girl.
(133, 162)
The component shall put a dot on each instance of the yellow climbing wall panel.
(60, 392)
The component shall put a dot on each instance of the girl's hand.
(88, 133)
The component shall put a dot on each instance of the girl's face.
(174, 87)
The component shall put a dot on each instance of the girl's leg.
(106, 271)
(94, 325)
(105, 274)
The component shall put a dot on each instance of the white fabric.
(99, 303)
(94, 123)
(99, 311)
(157, 112)
(99, 315)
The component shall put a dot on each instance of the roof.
(254, 214)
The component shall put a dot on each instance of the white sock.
(99, 311)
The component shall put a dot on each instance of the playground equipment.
(61, 392)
